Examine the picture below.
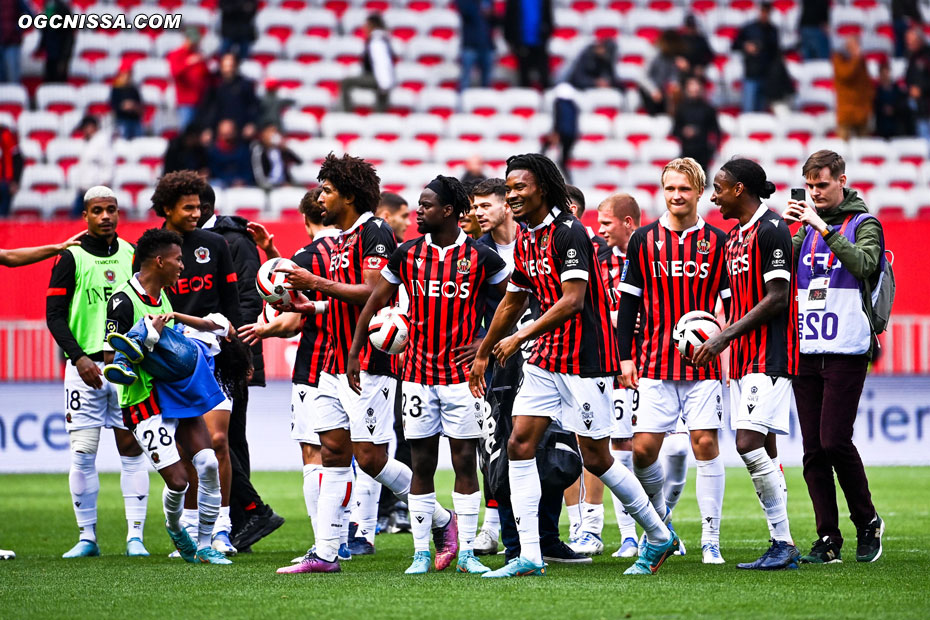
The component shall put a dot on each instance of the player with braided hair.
(447, 276)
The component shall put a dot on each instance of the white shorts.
(663, 402)
(451, 409)
(368, 416)
(302, 410)
(226, 405)
(582, 405)
(760, 403)
(86, 407)
(625, 404)
(155, 436)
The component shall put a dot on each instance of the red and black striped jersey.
(611, 263)
(673, 273)
(314, 339)
(556, 251)
(366, 246)
(756, 253)
(447, 288)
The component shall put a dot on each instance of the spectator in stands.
(271, 160)
(191, 76)
(477, 40)
(904, 15)
(695, 125)
(595, 66)
(57, 43)
(758, 42)
(187, 152)
(474, 172)
(394, 210)
(528, 25)
(854, 90)
(11, 39)
(917, 78)
(11, 168)
(892, 114)
(662, 85)
(126, 103)
(237, 27)
(814, 29)
(230, 165)
(565, 130)
(232, 97)
(377, 66)
(697, 50)
(272, 104)
(96, 163)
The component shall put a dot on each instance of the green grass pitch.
(37, 522)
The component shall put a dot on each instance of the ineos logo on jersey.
(339, 261)
(440, 288)
(678, 268)
(738, 265)
(192, 285)
(538, 266)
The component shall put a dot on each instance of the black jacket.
(235, 99)
(246, 262)
(237, 19)
(513, 27)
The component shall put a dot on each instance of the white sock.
(223, 521)
(208, 495)
(675, 449)
(346, 515)
(367, 497)
(492, 522)
(653, 480)
(172, 502)
(466, 507)
(574, 520)
(781, 473)
(190, 520)
(312, 492)
(629, 491)
(624, 521)
(770, 492)
(85, 485)
(134, 482)
(592, 518)
(525, 493)
(421, 518)
(396, 476)
(711, 480)
(335, 494)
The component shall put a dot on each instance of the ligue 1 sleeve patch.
(111, 326)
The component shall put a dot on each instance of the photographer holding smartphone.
(840, 260)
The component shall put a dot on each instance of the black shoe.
(399, 521)
(384, 525)
(824, 551)
(562, 554)
(244, 550)
(257, 527)
(869, 541)
(359, 545)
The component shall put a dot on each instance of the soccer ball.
(389, 330)
(694, 329)
(270, 284)
(268, 314)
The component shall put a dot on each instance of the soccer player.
(763, 339)
(82, 280)
(208, 284)
(569, 374)
(20, 257)
(158, 256)
(446, 275)
(675, 265)
(251, 519)
(393, 209)
(311, 352)
(346, 422)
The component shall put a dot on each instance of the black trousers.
(550, 508)
(532, 62)
(243, 497)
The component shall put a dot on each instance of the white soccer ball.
(268, 314)
(389, 330)
(270, 284)
(694, 329)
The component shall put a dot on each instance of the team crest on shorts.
(68, 418)
(633, 420)
(463, 266)
(370, 421)
(703, 246)
(155, 458)
(587, 416)
(202, 255)
(478, 417)
(110, 275)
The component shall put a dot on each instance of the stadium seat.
(469, 127)
(42, 178)
(283, 202)
(308, 50)
(594, 127)
(28, 204)
(889, 203)
(897, 176)
(800, 127)
(864, 178)
(13, 99)
(439, 101)
(744, 147)
(481, 101)
(568, 24)
(649, 23)
(645, 177)
(286, 73)
(872, 151)
(410, 152)
(910, 150)
(427, 128)
(430, 52)
(314, 151)
(152, 72)
(58, 98)
(149, 151)
(637, 128)
(278, 23)
(64, 152)
(761, 127)
(786, 152)
(508, 128)
(605, 101)
(342, 126)
(784, 177)
(130, 47)
(39, 126)
(311, 100)
(247, 202)
(385, 127)
(454, 153)
(30, 149)
(602, 23)
(659, 152)
(297, 125)
(618, 153)
(266, 49)
(132, 179)
(847, 20)
(319, 22)
(404, 24)
(635, 50)
(816, 100)
(440, 23)
(523, 102)
(328, 75)
(92, 46)
(412, 76)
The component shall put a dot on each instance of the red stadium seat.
(13, 99)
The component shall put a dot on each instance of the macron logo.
(659, 244)
(117, 302)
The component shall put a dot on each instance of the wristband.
(827, 231)
(320, 307)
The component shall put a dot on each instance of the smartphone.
(798, 194)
